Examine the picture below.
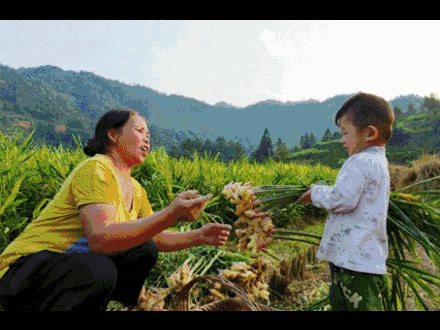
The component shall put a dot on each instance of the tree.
(175, 150)
(198, 145)
(304, 142)
(187, 147)
(411, 109)
(231, 151)
(308, 141)
(327, 136)
(264, 150)
(337, 135)
(208, 146)
(398, 112)
(240, 151)
(431, 103)
(312, 140)
(220, 146)
(281, 151)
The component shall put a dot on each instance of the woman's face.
(133, 143)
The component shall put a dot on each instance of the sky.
(237, 62)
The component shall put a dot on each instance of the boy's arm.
(344, 195)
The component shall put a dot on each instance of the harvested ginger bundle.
(180, 278)
(254, 228)
(250, 278)
(154, 299)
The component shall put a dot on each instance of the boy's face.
(354, 140)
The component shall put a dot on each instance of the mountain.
(403, 101)
(48, 97)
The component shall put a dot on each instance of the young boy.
(355, 239)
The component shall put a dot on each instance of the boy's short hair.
(369, 109)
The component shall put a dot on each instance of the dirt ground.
(428, 266)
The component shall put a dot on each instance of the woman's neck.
(120, 166)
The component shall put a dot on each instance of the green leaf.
(15, 222)
(418, 183)
(408, 227)
(37, 210)
(16, 165)
(265, 178)
(299, 233)
(25, 142)
(13, 194)
(283, 238)
(413, 287)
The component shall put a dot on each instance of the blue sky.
(239, 62)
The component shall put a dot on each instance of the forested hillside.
(60, 104)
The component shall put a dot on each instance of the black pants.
(54, 281)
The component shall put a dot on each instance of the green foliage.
(281, 151)
(327, 136)
(431, 103)
(419, 125)
(48, 97)
(332, 154)
(308, 141)
(337, 135)
(411, 108)
(226, 151)
(398, 111)
(31, 177)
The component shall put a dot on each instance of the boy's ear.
(372, 133)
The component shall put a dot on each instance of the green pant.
(355, 291)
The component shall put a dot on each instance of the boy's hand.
(306, 198)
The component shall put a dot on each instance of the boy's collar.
(374, 148)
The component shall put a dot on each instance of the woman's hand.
(306, 198)
(188, 205)
(214, 234)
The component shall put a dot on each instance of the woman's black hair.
(113, 119)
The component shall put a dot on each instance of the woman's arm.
(108, 238)
(215, 234)
(170, 241)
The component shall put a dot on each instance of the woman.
(98, 238)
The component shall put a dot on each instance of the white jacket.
(355, 235)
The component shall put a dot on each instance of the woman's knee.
(145, 253)
(95, 267)
(151, 250)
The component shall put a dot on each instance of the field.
(30, 177)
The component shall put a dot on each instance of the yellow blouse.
(59, 227)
